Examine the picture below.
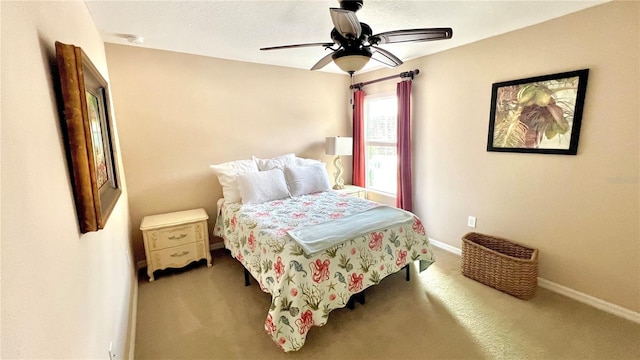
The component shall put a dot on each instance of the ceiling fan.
(354, 43)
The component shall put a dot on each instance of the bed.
(309, 279)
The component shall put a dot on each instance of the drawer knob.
(180, 254)
(178, 237)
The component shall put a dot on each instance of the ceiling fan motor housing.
(351, 5)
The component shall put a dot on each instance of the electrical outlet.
(471, 222)
(112, 356)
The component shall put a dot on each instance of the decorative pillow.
(277, 162)
(227, 173)
(261, 186)
(307, 179)
(303, 161)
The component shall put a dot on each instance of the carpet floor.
(208, 313)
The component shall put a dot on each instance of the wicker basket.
(501, 264)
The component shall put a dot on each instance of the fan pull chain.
(351, 99)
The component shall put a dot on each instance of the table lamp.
(338, 146)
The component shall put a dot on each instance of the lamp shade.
(339, 145)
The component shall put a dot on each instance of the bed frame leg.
(360, 296)
(408, 268)
(423, 265)
(247, 278)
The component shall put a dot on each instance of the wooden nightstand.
(175, 239)
(353, 190)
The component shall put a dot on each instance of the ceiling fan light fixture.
(352, 63)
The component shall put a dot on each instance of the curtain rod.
(409, 74)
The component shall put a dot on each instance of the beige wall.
(179, 113)
(582, 212)
(64, 295)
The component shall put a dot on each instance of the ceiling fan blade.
(297, 46)
(323, 62)
(385, 57)
(411, 35)
(346, 22)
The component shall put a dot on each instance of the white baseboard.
(133, 318)
(215, 246)
(141, 264)
(563, 290)
(590, 300)
(447, 247)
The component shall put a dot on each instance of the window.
(380, 143)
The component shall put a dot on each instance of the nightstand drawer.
(179, 256)
(174, 236)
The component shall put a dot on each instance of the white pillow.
(276, 162)
(303, 161)
(227, 173)
(258, 187)
(307, 179)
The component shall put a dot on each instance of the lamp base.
(338, 174)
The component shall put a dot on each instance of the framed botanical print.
(539, 114)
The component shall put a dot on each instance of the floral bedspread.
(304, 288)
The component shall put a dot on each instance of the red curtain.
(358, 138)
(404, 195)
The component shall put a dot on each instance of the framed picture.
(89, 139)
(538, 115)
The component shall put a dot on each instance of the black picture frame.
(541, 114)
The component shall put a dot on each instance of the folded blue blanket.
(319, 237)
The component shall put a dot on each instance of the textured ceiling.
(236, 30)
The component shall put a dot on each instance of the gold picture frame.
(85, 93)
